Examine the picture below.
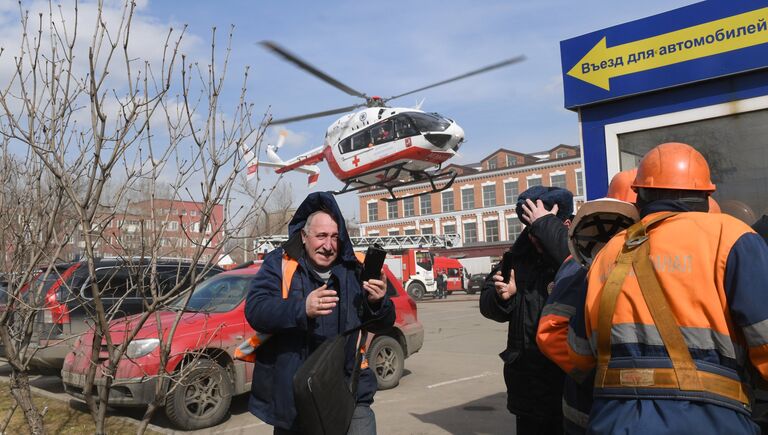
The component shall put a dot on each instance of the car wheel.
(416, 290)
(202, 398)
(387, 360)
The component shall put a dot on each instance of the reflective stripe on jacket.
(713, 272)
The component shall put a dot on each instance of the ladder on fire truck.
(390, 243)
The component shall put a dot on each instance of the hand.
(321, 301)
(533, 211)
(504, 290)
(376, 288)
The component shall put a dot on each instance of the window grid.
(408, 207)
(513, 228)
(511, 190)
(373, 211)
(447, 201)
(491, 231)
(425, 204)
(489, 195)
(467, 199)
(470, 232)
(579, 183)
(392, 210)
(557, 180)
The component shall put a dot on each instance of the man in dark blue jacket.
(534, 383)
(324, 299)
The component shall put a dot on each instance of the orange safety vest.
(246, 351)
(684, 375)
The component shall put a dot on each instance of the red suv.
(212, 326)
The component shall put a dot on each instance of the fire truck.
(414, 267)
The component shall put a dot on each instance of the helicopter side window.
(361, 140)
(404, 127)
(345, 146)
(427, 122)
(382, 133)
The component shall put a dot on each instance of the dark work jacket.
(534, 383)
(294, 335)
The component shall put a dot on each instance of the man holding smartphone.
(321, 298)
(534, 383)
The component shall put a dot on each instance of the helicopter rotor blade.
(292, 58)
(315, 115)
(463, 76)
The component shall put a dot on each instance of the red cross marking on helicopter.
(356, 161)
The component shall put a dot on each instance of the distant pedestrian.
(442, 285)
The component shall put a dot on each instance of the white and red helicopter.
(379, 146)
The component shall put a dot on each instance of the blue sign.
(698, 42)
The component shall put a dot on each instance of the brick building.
(480, 206)
(176, 230)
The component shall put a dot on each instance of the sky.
(386, 48)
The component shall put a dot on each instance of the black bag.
(324, 400)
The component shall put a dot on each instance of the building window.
(513, 228)
(447, 201)
(425, 204)
(489, 195)
(393, 232)
(467, 199)
(449, 229)
(470, 232)
(491, 231)
(492, 163)
(511, 190)
(534, 182)
(557, 180)
(579, 183)
(561, 154)
(427, 230)
(408, 207)
(373, 211)
(173, 226)
(410, 232)
(392, 210)
(511, 160)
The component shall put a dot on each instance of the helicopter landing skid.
(392, 180)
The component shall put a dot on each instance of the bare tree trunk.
(23, 396)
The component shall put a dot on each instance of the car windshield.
(216, 295)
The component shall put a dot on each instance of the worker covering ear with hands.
(534, 384)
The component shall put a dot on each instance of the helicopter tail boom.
(304, 164)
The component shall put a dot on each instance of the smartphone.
(506, 266)
(374, 261)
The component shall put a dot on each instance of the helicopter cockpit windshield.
(428, 122)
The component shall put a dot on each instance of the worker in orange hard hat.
(621, 186)
(595, 223)
(670, 312)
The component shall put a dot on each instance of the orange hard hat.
(621, 186)
(714, 207)
(675, 166)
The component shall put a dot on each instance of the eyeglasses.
(334, 238)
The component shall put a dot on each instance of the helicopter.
(378, 146)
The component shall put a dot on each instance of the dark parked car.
(65, 294)
(476, 283)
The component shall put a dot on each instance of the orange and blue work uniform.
(567, 297)
(711, 275)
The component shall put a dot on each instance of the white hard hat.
(595, 224)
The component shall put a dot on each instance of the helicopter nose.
(458, 136)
